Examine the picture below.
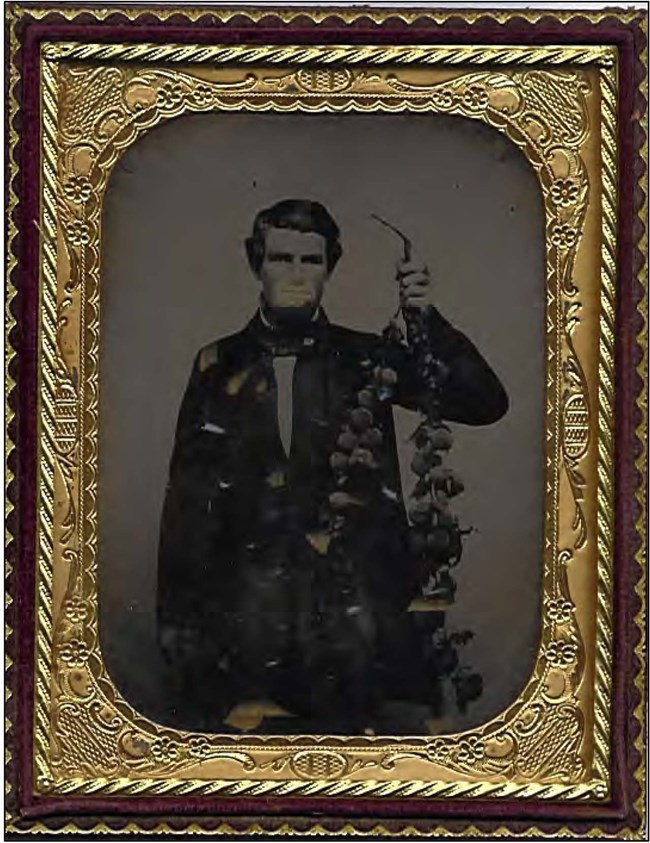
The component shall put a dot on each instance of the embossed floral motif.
(199, 747)
(446, 100)
(164, 749)
(471, 750)
(561, 653)
(564, 191)
(560, 609)
(202, 95)
(443, 99)
(475, 97)
(74, 653)
(75, 610)
(78, 232)
(563, 236)
(169, 95)
(77, 189)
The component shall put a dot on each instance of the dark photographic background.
(174, 277)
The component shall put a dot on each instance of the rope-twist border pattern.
(336, 54)
(48, 365)
(605, 495)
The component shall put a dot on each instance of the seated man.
(277, 583)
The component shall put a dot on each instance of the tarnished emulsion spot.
(235, 383)
(276, 479)
(209, 427)
(208, 356)
(391, 494)
(319, 541)
(249, 715)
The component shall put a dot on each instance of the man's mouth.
(294, 296)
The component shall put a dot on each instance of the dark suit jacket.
(249, 604)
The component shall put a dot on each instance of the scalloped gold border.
(315, 15)
(318, 829)
(13, 201)
(641, 463)
(16, 12)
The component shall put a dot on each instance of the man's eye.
(279, 257)
(316, 259)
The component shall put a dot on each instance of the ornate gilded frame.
(560, 105)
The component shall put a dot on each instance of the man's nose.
(296, 270)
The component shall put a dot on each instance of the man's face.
(293, 273)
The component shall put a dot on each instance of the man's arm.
(188, 525)
(174, 629)
(469, 391)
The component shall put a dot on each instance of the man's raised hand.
(415, 287)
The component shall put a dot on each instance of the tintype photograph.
(321, 424)
(326, 418)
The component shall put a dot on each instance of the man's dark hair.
(298, 215)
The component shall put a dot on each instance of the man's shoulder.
(221, 350)
(352, 340)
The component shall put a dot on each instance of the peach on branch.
(362, 456)
(361, 418)
(388, 377)
(366, 398)
(420, 511)
(371, 438)
(347, 440)
(438, 540)
(441, 438)
(339, 461)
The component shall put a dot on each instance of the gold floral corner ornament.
(553, 741)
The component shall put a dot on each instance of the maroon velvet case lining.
(331, 812)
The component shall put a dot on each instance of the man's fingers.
(409, 267)
(414, 295)
(414, 281)
(415, 289)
